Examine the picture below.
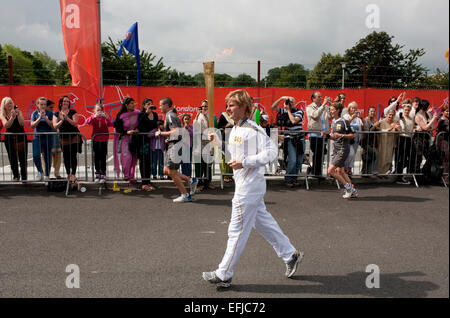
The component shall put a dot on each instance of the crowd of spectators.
(397, 142)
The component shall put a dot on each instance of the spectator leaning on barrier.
(318, 115)
(147, 121)
(203, 169)
(56, 148)
(291, 119)
(387, 143)
(403, 150)
(341, 134)
(369, 142)
(421, 140)
(158, 146)
(41, 122)
(100, 123)
(125, 124)
(186, 167)
(442, 140)
(16, 145)
(354, 117)
(66, 121)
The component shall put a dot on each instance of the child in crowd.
(100, 123)
(158, 146)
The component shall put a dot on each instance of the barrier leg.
(415, 181)
(443, 181)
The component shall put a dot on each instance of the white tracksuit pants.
(247, 212)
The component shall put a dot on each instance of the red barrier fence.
(187, 99)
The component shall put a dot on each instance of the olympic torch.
(208, 68)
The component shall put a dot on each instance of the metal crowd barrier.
(314, 157)
(401, 155)
(18, 150)
(442, 144)
(142, 159)
(373, 154)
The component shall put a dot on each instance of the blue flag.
(131, 43)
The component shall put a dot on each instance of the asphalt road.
(143, 245)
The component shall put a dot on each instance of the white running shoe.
(347, 194)
(183, 198)
(46, 179)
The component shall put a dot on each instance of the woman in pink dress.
(125, 124)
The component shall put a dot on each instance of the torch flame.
(225, 52)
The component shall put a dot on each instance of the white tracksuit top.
(250, 143)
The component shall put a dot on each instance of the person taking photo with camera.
(291, 118)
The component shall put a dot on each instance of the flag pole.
(138, 58)
(100, 51)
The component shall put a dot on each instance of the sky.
(238, 33)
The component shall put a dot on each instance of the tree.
(327, 72)
(42, 75)
(4, 76)
(119, 70)
(387, 64)
(22, 65)
(62, 74)
(244, 80)
(199, 80)
(175, 78)
(439, 80)
(292, 75)
(223, 80)
(37, 68)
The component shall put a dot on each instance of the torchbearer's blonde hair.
(242, 99)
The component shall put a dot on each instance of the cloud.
(186, 33)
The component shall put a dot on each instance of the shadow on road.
(353, 284)
(392, 198)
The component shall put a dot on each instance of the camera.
(15, 107)
(152, 107)
(287, 102)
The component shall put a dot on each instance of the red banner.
(187, 99)
(80, 28)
